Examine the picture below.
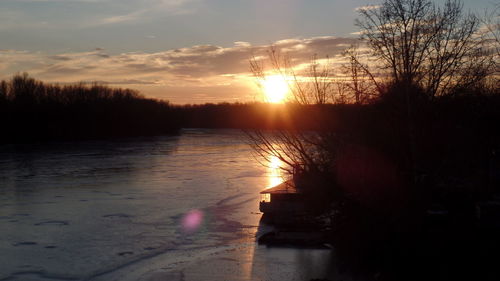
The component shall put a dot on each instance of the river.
(159, 208)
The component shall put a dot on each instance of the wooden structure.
(283, 200)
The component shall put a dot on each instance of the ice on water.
(130, 208)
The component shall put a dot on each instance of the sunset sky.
(185, 51)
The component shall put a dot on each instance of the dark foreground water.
(163, 208)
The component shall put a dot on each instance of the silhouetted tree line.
(31, 111)
(255, 115)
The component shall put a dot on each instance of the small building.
(283, 200)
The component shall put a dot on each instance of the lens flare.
(192, 221)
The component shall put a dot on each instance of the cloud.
(242, 44)
(205, 68)
(12, 61)
(122, 18)
(367, 8)
(84, 1)
(148, 9)
(23, 14)
(10, 19)
(153, 7)
(58, 1)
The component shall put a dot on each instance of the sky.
(184, 51)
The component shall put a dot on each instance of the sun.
(275, 88)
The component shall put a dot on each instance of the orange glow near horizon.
(275, 88)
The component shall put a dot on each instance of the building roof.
(287, 187)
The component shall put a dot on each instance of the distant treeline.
(32, 111)
(258, 116)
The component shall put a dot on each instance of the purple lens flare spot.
(192, 221)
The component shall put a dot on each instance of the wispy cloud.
(367, 8)
(122, 18)
(55, 1)
(87, 13)
(152, 7)
(208, 68)
(12, 61)
(15, 19)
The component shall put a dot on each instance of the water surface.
(164, 208)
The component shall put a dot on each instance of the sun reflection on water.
(274, 170)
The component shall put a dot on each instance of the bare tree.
(428, 51)
(422, 48)
(314, 86)
(491, 28)
(359, 82)
(421, 44)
